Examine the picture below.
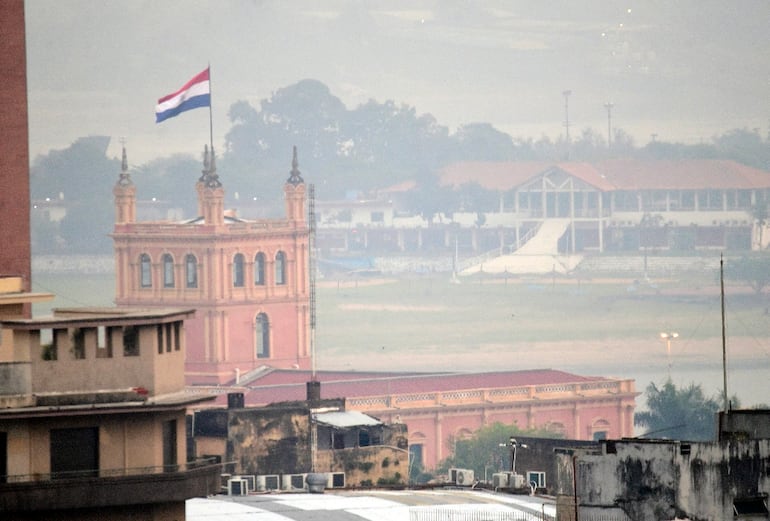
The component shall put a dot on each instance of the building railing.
(497, 252)
(154, 228)
(110, 488)
(107, 473)
(489, 395)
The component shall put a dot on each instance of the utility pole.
(566, 95)
(609, 106)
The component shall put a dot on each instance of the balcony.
(112, 488)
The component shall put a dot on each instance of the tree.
(483, 449)
(682, 414)
(80, 178)
(483, 142)
(745, 146)
(753, 270)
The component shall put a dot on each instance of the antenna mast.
(724, 339)
(311, 268)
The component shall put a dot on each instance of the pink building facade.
(439, 408)
(247, 279)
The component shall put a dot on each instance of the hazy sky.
(685, 70)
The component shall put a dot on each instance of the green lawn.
(429, 313)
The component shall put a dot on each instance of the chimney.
(314, 391)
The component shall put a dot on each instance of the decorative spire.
(205, 170)
(295, 177)
(125, 177)
(212, 179)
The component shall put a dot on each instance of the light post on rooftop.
(609, 106)
(668, 337)
(514, 444)
(566, 95)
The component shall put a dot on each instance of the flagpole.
(211, 117)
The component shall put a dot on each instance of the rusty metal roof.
(618, 174)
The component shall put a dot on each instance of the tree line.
(674, 413)
(369, 147)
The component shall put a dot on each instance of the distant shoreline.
(53, 264)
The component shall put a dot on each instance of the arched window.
(145, 271)
(168, 270)
(191, 271)
(238, 270)
(262, 333)
(259, 269)
(416, 444)
(280, 268)
(557, 428)
(601, 430)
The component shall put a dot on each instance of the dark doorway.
(3, 457)
(74, 452)
(169, 446)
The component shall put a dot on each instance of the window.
(168, 271)
(280, 268)
(49, 345)
(78, 343)
(169, 446)
(558, 429)
(415, 454)
(159, 331)
(536, 479)
(378, 217)
(752, 507)
(601, 430)
(103, 342)
(130, 341)
(74, 452)
(177, 332)
(191, 271)
(169, 339)
(145, 270)
(262, 332)
(259, 269)
(238, 270)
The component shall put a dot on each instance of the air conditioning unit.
(251, 482)
(267, 482)
(462, 477)
(293, 482)
(335, 480)
(223, 482)
(516, 481)
(237, 487)
(501, 479)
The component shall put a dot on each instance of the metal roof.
(345, 419)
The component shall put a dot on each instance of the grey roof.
(343, 419)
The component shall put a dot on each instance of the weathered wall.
(269, 440)
(665, 479)
(745, 424)
(367, 466)
(539, 456)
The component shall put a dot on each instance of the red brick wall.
(14, 148)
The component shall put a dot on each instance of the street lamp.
(668, 337)
(566, 95)
(514, 445)
(609, 106)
